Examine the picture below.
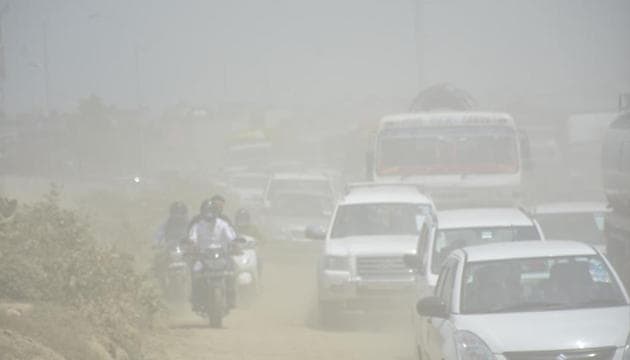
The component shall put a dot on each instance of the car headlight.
(338, 263)
(470, 347)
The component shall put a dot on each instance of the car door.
(421, 288)
(422, 284)
(438, 330)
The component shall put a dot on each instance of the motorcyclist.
(243, 225)
(174, 229)
(168, 237)
(208, 228)
(218, 202)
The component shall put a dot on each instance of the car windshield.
(378, 219)
(539, 284)
(448, 151)
(307, 185)
(301, 205)
(447, 240)
(584, 227)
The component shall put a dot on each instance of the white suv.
(526, 300)
(455, 229)
(362, 264)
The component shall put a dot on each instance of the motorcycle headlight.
(470, 347)
(338, 263)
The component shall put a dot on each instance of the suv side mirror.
(432, 306)
(315, 232)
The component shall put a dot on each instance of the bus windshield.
(455, 150)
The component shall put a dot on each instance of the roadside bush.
(47, 254)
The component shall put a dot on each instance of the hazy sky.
(287, 53)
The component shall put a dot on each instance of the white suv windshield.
(539, 284)
(378, 219)
(585, 227)
(448, 240)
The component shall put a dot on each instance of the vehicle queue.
(442, 221)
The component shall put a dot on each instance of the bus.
(459, 158)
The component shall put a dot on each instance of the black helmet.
(217, 198)
(178, 208)
(242, 217)
(206, 207)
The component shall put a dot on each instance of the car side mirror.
(315, 232)
(412, 261)
(432, 306)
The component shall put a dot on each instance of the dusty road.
(281, 324)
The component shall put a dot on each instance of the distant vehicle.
(616, 162)
(315, 183)
(249, 187)
(362, 265)
(292, 212)
(616, 169)
(583, 149)
(529, 300)
(248, 150)
(580, 221)
(455, 229)
(459, 157)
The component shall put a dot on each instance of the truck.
(459, 158)
(616, 179)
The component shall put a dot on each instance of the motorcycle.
(177, 276)
(248, 268)
(172, 272)
(212, 270)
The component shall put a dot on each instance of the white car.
(249, 187)
(529, 300)
(574, 220)
(362, 263)
(298, 182)
(458, 228)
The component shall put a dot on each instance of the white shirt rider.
(205, 232)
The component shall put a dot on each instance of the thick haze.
(570, 54)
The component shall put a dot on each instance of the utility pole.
(3, 12)
(45, 67)
(418, 22)
(136, 60)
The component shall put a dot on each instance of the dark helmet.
(217, 198)
(242, 217)
(178, 208)
(206, 207)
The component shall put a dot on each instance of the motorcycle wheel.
(217, 307)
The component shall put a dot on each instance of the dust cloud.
(111, 111)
